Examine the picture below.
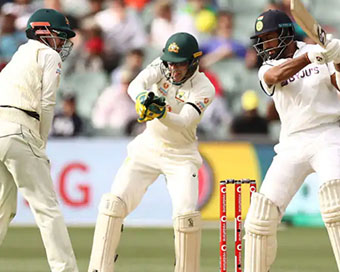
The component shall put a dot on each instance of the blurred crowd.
(116, 39)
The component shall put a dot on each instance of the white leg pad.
(112, 211)
(188, 242)
(329, 197)
(260, 238)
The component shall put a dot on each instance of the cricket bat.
(308, 24)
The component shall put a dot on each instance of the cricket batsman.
(303, 80)
(171, 95)
(27, 98)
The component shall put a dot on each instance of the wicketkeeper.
(171, 96)
(303, 80)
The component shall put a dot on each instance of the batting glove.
(317, 57)
(332, 51)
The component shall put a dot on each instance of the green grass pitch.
(151, 249)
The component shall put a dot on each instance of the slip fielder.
(180, 94)
(27, 99)
(303, 80)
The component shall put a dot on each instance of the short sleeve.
(331, 68)
(263, 69)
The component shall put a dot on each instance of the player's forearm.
(185, 119)
(135, 88)
(144, 81)
(337, 66)
(45, 122)
(335, 78)
(286, 70)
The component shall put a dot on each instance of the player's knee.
(189, 222)
(183, 207)
(112, 206)
(329, 197)
(263, 216)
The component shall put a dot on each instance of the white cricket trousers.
(314, 150)
(147, 159)
(24, 167)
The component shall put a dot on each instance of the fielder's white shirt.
(30, 81)
(306, 100)
(186, 103)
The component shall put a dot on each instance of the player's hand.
(143, 100)
(149, 106)
(317, 57)
(332, 51)
(153, 111)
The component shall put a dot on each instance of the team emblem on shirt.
(206, 100)
(173, 47)
(180, 96)
(166, 85)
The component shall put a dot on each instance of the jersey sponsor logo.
(300, 75)
(200, 105)
(190, 222)
(163, 91)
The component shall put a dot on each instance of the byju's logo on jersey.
(300, 75)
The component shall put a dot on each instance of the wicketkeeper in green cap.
(171, 95)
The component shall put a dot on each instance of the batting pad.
(260, 238)
(329, 196)
(112, 211)
(188, 242)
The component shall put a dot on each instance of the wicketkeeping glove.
(149, 106)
